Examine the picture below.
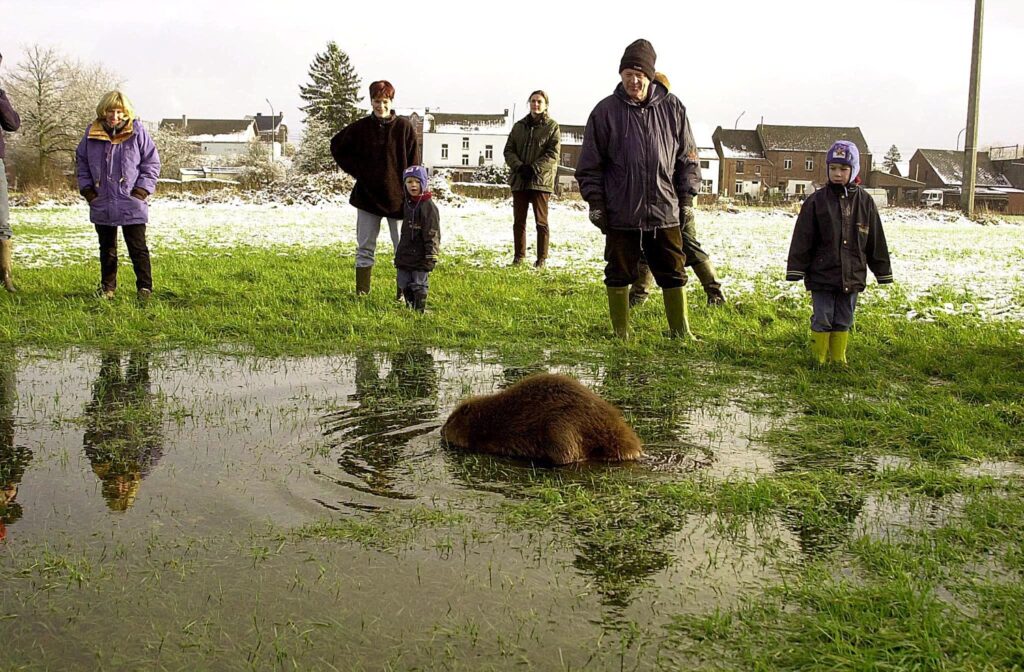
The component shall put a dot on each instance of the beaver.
(545, 417)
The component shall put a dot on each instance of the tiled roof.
(808, 138)
(209, 126)
(948, 164)
(734, 144)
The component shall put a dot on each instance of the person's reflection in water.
(13, 459)
(392, 411)
(124, 423)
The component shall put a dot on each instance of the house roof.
(451, 122)
(707, 153)
(880, 178)
(948, 166)
(193, 127)
(572, 135)
(808, 138)
(735, 144)
(266, 124)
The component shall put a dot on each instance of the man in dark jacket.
(637, 168)
(9, 121)
(375, 150)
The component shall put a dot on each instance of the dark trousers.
(663, 249)
(521, 201)
(135, 239)
(832, 311)
(695, 254)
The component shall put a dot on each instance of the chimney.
(259, 114)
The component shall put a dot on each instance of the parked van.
(931, 198)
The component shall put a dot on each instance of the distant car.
(931, 198)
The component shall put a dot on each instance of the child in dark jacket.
(420, 241)
(838, 236)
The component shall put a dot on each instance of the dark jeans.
(663, 249)
(832, 311)
(521, 201)
(135, 239)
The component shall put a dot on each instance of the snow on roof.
(948, 167)
(213, 130)
(736, 144)
(707, 153)
(447, 122)
(809, 138)
(572, 134)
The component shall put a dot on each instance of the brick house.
(788, 158)
(943, 169)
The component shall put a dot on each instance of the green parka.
(539, 144)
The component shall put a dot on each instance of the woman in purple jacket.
(117, 169)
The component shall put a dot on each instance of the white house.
(464, 140)
(216, 137)
(708, 158)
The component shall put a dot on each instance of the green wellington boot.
(677, 312)
(6, 247)
(363, 274)
(618, 308)
(819, 345)
(705, 272)
(837, 346)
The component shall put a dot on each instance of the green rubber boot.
(819, 345)
(837, 346)
(618, 308)
(677, 311)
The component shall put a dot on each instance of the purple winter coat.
(639, 160)
(115, 166)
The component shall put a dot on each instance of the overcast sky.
(898, 69)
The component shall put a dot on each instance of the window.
(809, 164)
(705, 186)
(489, 152)
(465, 159)
(704, 165)
(739, 167)
(757, 170)
(566, 158)
(444, 151)
(787, 164)
(465, 144)
(799, 189)
(739, 188)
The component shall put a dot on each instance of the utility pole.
(971, 141)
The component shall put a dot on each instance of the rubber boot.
(819, 346)
(706, 274)
(399, 295)
(409, 297)
(6, 247)
(363, 274)
(618, 308)
(543, 237)
(641, 289)
(837, 346)
(419, 300)
(677, 312)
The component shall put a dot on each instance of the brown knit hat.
(639, 56)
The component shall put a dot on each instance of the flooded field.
(165, 509)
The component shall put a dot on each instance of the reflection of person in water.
(13, 459)
(123, 432)
(391, 412)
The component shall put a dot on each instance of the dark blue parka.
(639, 160)
(837, 237)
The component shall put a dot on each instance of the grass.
(938, 591)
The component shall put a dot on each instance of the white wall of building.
(458, 150)
(709, 166)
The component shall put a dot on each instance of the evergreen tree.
(333, 90)
(892, 157)
(314, 153)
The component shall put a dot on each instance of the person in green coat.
(532, 153)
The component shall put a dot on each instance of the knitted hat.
(846, 153)
(419, 172)
(639, 56)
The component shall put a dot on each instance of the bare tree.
(176, 152)
(56, 99)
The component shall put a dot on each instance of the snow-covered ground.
(931, 250)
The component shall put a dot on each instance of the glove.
(140, 193)
(526, 172)
(431, 261)
(687, 214)
(598, 216)
(89, 194)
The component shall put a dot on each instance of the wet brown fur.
(545, 417)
